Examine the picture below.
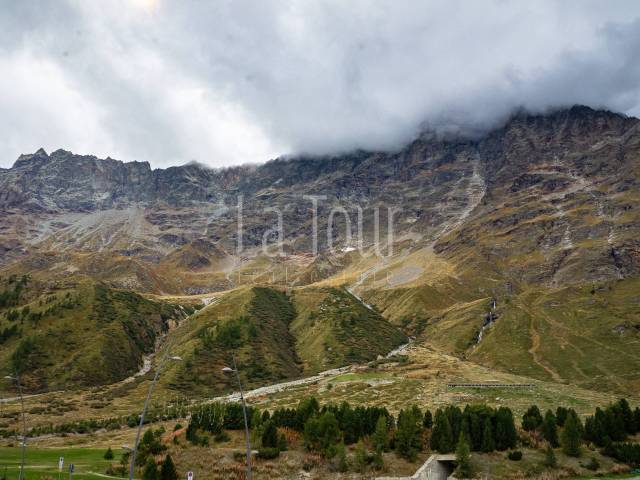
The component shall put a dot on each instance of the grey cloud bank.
(229, 82)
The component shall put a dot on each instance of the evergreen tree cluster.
(354, 423)
(167, 470)
(607, 428)
(216, 417)
(7, 333)
(408, 439)
(625, 452)
(150, 445)
(10, 297)
(613, 424)
(485, 429)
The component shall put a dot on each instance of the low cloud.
(225, 82)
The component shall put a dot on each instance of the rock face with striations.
(549, 198)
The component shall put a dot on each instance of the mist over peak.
(226, 84)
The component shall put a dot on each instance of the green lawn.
(359, 377)
(42, 463)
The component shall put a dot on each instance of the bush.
(550, 459)
(282, 443)
(240, 456)
(108, 455)
(268, 453)
(515, 456)
(593, 464)
(222, 437)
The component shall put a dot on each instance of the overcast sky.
(228, 82)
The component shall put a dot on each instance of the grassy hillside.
(584, 335)
(251, 323)
(76, 334)
(332, 328)
(275, 336)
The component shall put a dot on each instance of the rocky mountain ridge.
(542, 215)
(65, 181)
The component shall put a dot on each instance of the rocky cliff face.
(550, 198)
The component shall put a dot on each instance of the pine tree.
(627, 416)
(108, 455)
(378, 460)
(341, 455)
(488, 444)
(561, 416)
(598, 430)
(266, 416)
(381, 435)
(428, 420)
(192, 433)
(532, 419)
(150, 471)
(408, 439)
(571, 435)
(550, 429)
(463, 458)
(168, 469)
(442, 436)
(270, 435)
(506, 435)
(256, 420)
(361, 456)
(636, 415)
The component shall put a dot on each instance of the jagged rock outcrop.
(562, 186)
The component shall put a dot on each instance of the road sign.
(60, 463)
(189, 475)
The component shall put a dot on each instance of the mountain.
(519, 250)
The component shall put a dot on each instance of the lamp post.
(244, 412)
(134, 451)
(24, 423)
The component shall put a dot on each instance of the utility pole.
(24, 423)
(244, 412)
(134, 452)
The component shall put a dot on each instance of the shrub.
(550, 459)
(282, 443)
(108, 455)
(593, 464)
(239, 456)
(268, 453)
(515, 456)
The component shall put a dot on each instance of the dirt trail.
(535, 346)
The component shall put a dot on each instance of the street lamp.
(24, 423)
(134, 452)
(229, 370)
